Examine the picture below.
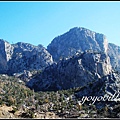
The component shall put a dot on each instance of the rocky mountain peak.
(77, 39)
(23, 46)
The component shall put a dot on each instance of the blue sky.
(40, 22)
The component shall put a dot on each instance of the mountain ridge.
(23, 56)
(77, 39)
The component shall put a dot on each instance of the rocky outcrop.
(107, 88)
(6, 52)
(77, 71)
(18, 57)
(5, 112)
(114, 54)
(77, 40)
(29, 57)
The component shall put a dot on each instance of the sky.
(41, 21)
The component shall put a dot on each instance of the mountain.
(79, 39)
(24, 56)
(83, 58)
(15, 58)
(78, 66)
(76, 71)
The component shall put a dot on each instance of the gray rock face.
(6, 51)
(107, 87)
(80, 39)
(77, 71)
(77, 40)
(114, 54)
(22, 56)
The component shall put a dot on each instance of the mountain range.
(28, 57)
(77, 58)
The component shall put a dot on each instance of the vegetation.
(63, 103)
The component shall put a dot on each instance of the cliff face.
(22, 56)
(77, 40)
(6, 52)
(114, 54)
(77, 71)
